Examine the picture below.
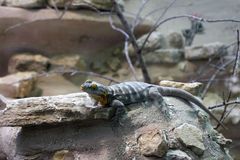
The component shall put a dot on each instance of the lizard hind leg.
(158, 101)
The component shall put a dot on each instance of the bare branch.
(75, 71)
(125, 46)
(132, 39)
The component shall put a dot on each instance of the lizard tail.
(175, 92)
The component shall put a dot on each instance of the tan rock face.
(63, 155)
(69, 61)
(193, 88)
(18, 85)
(153, 143)
(26, 62)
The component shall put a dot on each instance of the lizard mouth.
(81, 88)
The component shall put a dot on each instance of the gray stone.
(177, 155)
(27, 62)
(155, 41)
(25, 3)
(175, 40)
(18, 85)
(169, 56)
(214, 50)
(194, 88)
(191, 137)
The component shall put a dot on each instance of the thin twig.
(136, 20)
(228, 113)
(235, 67)
(228, 103)
(156, 24)
(213, 77)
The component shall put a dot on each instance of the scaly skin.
(136, 92)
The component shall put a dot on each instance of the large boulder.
(71, 126)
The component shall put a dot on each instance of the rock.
(68, 61)
(69, 65)
(152, 143)
(220, 139)
(18, 85)
(25, 62)
(206, 51)
(169, 56)
(99, 67)
(187, 67)
(155, 41)
(175, 40)
(177, 155)
(161, 78)
(99, 4)
(39, 110)
(194, 88)
(191, 137)
(8, 137)
(114, 64)
(25, 3)
(123, 72)
(63, 155)
(233, 84)
(212, 99)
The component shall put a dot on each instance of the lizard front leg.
(158, 101)
(119, 106)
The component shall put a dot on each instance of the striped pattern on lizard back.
(129, 92)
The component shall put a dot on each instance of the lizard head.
(94, 88)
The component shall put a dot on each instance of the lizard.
(126, 93)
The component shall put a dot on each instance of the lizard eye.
(94, 86)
